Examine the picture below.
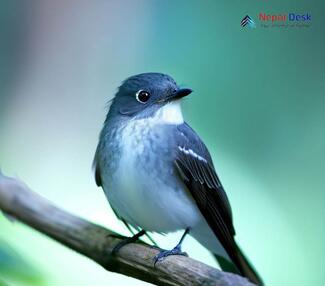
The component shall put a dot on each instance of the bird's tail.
(236, 263)
(241, 266)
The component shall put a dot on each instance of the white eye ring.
(142, 96)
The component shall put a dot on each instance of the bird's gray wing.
(196, 170)
(98, 178)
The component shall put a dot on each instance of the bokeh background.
(259, 105)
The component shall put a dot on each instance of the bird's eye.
(142, 96)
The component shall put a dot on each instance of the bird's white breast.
(139, 191)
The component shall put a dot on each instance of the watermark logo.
(278, 20)
(247, 21)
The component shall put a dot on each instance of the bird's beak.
(177, 94)
(181, 93)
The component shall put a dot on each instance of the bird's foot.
(116, 235)
(164, 253)
(126, 241)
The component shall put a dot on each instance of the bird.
(158, 175)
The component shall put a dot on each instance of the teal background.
(258, 104)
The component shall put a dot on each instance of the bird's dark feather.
(196, 170)
(97, 176)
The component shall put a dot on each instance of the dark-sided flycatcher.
(158, 175)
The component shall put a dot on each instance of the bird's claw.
(116, 235)
(121, 244)
(126, 241)
(164, 253)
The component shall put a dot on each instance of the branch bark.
(96, 242)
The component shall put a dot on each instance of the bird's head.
(143, 95)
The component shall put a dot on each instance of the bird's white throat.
(170, 113)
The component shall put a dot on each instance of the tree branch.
(96, 242)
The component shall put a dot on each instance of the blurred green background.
(259, 105)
